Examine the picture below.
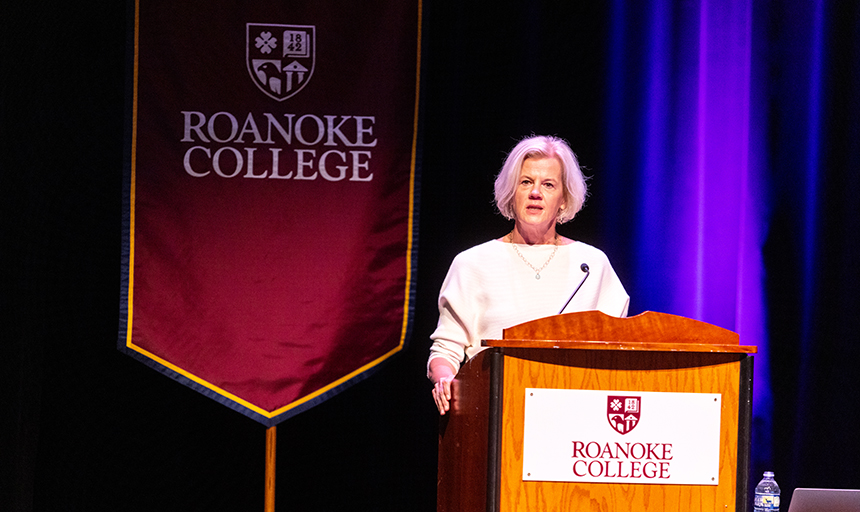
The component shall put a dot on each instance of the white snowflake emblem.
(265, 42)
(615, 405)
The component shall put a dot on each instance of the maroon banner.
(270, 196)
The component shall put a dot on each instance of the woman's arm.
(441, 374)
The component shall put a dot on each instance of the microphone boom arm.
(584, 268)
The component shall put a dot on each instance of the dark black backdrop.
(87, 428)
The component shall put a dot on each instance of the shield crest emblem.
(280, 58)
(623, 412)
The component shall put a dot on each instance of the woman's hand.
(441, 374)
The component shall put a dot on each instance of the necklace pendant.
(537, 276)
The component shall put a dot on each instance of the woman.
(528, 273)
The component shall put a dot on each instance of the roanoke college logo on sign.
(280, 58)
(623, 412)
(565, 438)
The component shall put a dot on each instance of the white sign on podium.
(574, 435)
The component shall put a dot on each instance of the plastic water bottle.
(766, 494)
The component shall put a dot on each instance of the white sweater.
(489, 287)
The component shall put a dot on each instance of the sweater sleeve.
(612, 298)
(453, 333)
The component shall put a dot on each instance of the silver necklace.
(537, 270)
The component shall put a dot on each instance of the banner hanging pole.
(271, 443)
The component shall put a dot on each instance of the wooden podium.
(481, 437)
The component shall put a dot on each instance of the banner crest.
(280, 58)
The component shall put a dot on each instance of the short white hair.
(542, 146)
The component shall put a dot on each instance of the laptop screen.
(825, 500)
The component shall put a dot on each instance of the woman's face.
(540, 193)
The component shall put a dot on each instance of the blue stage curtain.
(813, 246)
(732, 143)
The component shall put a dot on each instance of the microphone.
(584, 268)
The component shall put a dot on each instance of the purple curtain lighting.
(698, 166)
(735, 142)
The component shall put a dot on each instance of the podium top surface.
(648, 331)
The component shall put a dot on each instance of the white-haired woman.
(528, 273)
